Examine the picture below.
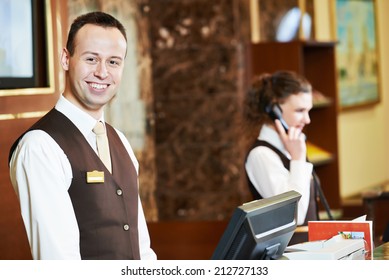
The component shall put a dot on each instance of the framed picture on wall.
(356, 53)
(26, 47)
(16, 50)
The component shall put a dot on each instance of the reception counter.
(196, 240)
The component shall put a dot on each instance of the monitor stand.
(270, 252)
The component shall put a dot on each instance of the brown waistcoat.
(107, 213)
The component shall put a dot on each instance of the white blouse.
(269, 176)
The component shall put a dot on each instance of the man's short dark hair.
(95, 18)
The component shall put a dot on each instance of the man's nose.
(101, 70)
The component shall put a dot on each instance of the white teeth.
(98, 86)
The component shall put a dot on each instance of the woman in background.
(279, 104)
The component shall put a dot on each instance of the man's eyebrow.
(90, 52)
(117, 57)
(97, 54)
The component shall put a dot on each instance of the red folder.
(322, 230)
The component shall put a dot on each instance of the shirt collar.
(82, 120)
(271, 136)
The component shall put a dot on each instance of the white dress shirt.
(41, 175)
(269, 176)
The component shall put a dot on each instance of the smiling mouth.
(98, 86)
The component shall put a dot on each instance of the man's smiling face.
(96, 67)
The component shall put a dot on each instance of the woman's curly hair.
(271, 88)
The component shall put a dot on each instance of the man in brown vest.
(79, 199)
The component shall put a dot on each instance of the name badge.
(95, 177)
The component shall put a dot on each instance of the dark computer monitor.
(260, 229)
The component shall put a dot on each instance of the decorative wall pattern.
(198, 69)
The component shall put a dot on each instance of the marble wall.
(198, 49)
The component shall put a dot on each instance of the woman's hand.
(294, 141)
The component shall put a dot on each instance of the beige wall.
(363, 133)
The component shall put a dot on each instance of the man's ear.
(65, 56)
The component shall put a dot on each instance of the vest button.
(126, 227)
(119, 192)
